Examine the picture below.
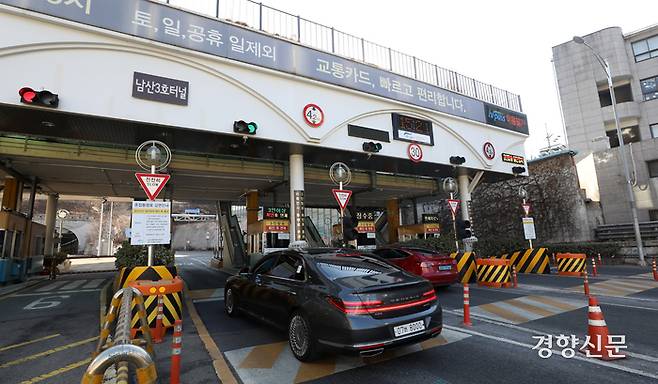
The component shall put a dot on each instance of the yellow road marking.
(315, 370)
(28, 342)
(222, 370)
(530, 308)
(551, 302)
(504, 313)
(57, 372)
(48, 352)
(263, 356)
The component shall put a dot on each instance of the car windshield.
(335, 268)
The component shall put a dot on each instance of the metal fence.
(285, 25)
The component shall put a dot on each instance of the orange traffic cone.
(598, 334)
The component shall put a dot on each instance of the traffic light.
(518, 170)
(349, 228)
(244, 128)
(372, 147)
(43, 98)
(457, 160)
(464, 229)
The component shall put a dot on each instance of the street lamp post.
(622, 149)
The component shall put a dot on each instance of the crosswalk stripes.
(527, 308)
(69, 285)
(274, 363)
(619, 287)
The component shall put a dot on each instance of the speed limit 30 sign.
(415, 152)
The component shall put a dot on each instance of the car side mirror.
(244, 270)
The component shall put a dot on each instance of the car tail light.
(376, 306)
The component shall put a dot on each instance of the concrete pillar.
(51, 213)
(252, 207)
(393, 217)
(464, 194)
(297, 197)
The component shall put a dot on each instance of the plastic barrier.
(529, 261)
(172, 301)
(465, 266)
(571, 264)
(493, 272)
(162, 310)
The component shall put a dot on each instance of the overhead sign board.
(151, 223)
(529, 228)
(152, 183)
(342, 196)
(162, 89)
(412, 129)
(153, 21)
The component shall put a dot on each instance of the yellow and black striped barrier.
(493, 272)
(571, 264)
(172, 302)
(529, 261)
(465, 266)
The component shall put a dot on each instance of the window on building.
(631, 135)
(649, 88)
(645, 49)
(623, 94)
(654, 130)
(653, 168)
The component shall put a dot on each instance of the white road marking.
(73, 285)
(94, 283)
(58, 292)
(557, 353)
(51, 286)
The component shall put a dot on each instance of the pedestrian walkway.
(527, 308)
(274, 363)
(619, 287)
(67, 285)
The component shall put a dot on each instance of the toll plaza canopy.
(234, 103)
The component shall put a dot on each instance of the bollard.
(176, 345)
(514, 277)
(586, 284)
(159, 330)
(594, 272)
(653, 268)
(467, 306)
(600, 262)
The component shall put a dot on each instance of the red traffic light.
(43, 98)
(27, 95)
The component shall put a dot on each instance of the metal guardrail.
(648, 230)
(259, 16)
(122, 350)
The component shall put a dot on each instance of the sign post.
(528, 224)
(340, 174)
(454, 205)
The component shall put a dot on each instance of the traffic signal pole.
(342, 216)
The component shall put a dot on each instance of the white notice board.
(151, 223)
(529, 228)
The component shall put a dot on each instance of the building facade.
(589, 121)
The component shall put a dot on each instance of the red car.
(437, 268)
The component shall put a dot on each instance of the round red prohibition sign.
(313, 115)
(415, 152)
(489, 150)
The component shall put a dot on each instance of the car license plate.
(406, 329)
(445, 267)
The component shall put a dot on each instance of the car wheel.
(300, 338)
(230, 302)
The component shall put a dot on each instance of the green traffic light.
(252, 127)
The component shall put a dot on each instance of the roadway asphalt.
(50, 330)
(496, 349)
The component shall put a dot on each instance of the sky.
(504, 43)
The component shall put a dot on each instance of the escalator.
(234, 254)
(313, 237)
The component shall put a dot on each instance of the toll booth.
(18, 256)
(429, 227)
(271, 232)
(367, 237)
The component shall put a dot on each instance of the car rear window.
(350, 267)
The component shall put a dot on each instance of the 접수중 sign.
(151, 223)
(158, 22)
